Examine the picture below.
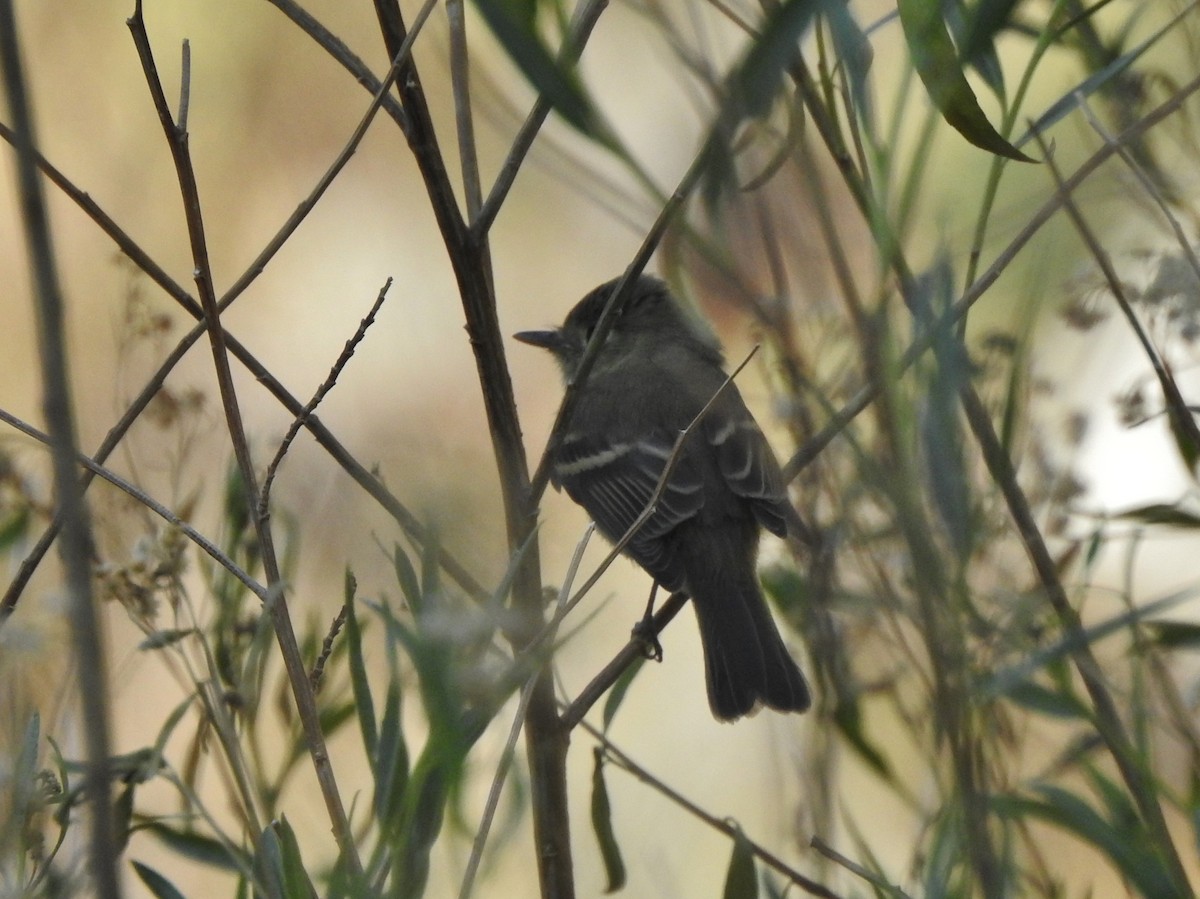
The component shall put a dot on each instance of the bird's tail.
(746, 663)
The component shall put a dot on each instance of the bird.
(655, 372)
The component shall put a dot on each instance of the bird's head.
(648, 320)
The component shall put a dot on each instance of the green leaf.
(1077, 95)
(1175, 634)
(359, 682)
(944, 857)
(938, 423)
(122, 814)
(741, 880)
(24, 775)
(1055, 703)
(1130, 853)
(977, 40)
(1121, 810)
(14, 526)
(406, 576)
(162, 639)
(854, 55)
(617, 694)
(156, 883)
(848, 719)
(514, 24)
(937, 64)
(438, 768)
(281, 862)
(610, 852)
(1000, 683)
(1182, 423)
(1167, 514)
(755, 82)
(197, 847)
(431, 567)
(390, 760)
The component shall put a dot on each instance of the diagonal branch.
(723, 825)
(361, 475)
(94, 467)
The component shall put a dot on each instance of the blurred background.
(270, 111)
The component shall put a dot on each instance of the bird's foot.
(646, 633)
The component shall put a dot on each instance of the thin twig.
(318, 669)
(854, 867)
(185, 85)
(76, 544)
(149, 502)
(338, 51)
(723, 825)
(469, 257)
(264, 503)
(633, 650)
(177, 141)
(460, 78)
(493, 800)
(586, 16)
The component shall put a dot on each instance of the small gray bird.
(653, 375)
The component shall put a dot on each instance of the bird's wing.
(748, 465)
(615, 480)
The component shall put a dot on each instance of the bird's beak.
(547, 340)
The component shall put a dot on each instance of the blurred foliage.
(942, 668)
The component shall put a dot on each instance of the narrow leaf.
(197, 847)
(515, 29)
(290, 864)
(617, 694)
(756, 80)
(1000, 683)
(855, 55)
(1055, 703)
(977, 41)
(363, 701)
(162, 639)
(156, 883)
(1077, 95)
(937, 64)
(848, 719)
(406, 575)
(391, 759)
(1163, 514)
(741, 880)
(1175, 634)
(610, 852)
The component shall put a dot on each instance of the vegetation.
(863, 181)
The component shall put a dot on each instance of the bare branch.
(720, 824)
(96, 468)
(264, 502)
(177, 140)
